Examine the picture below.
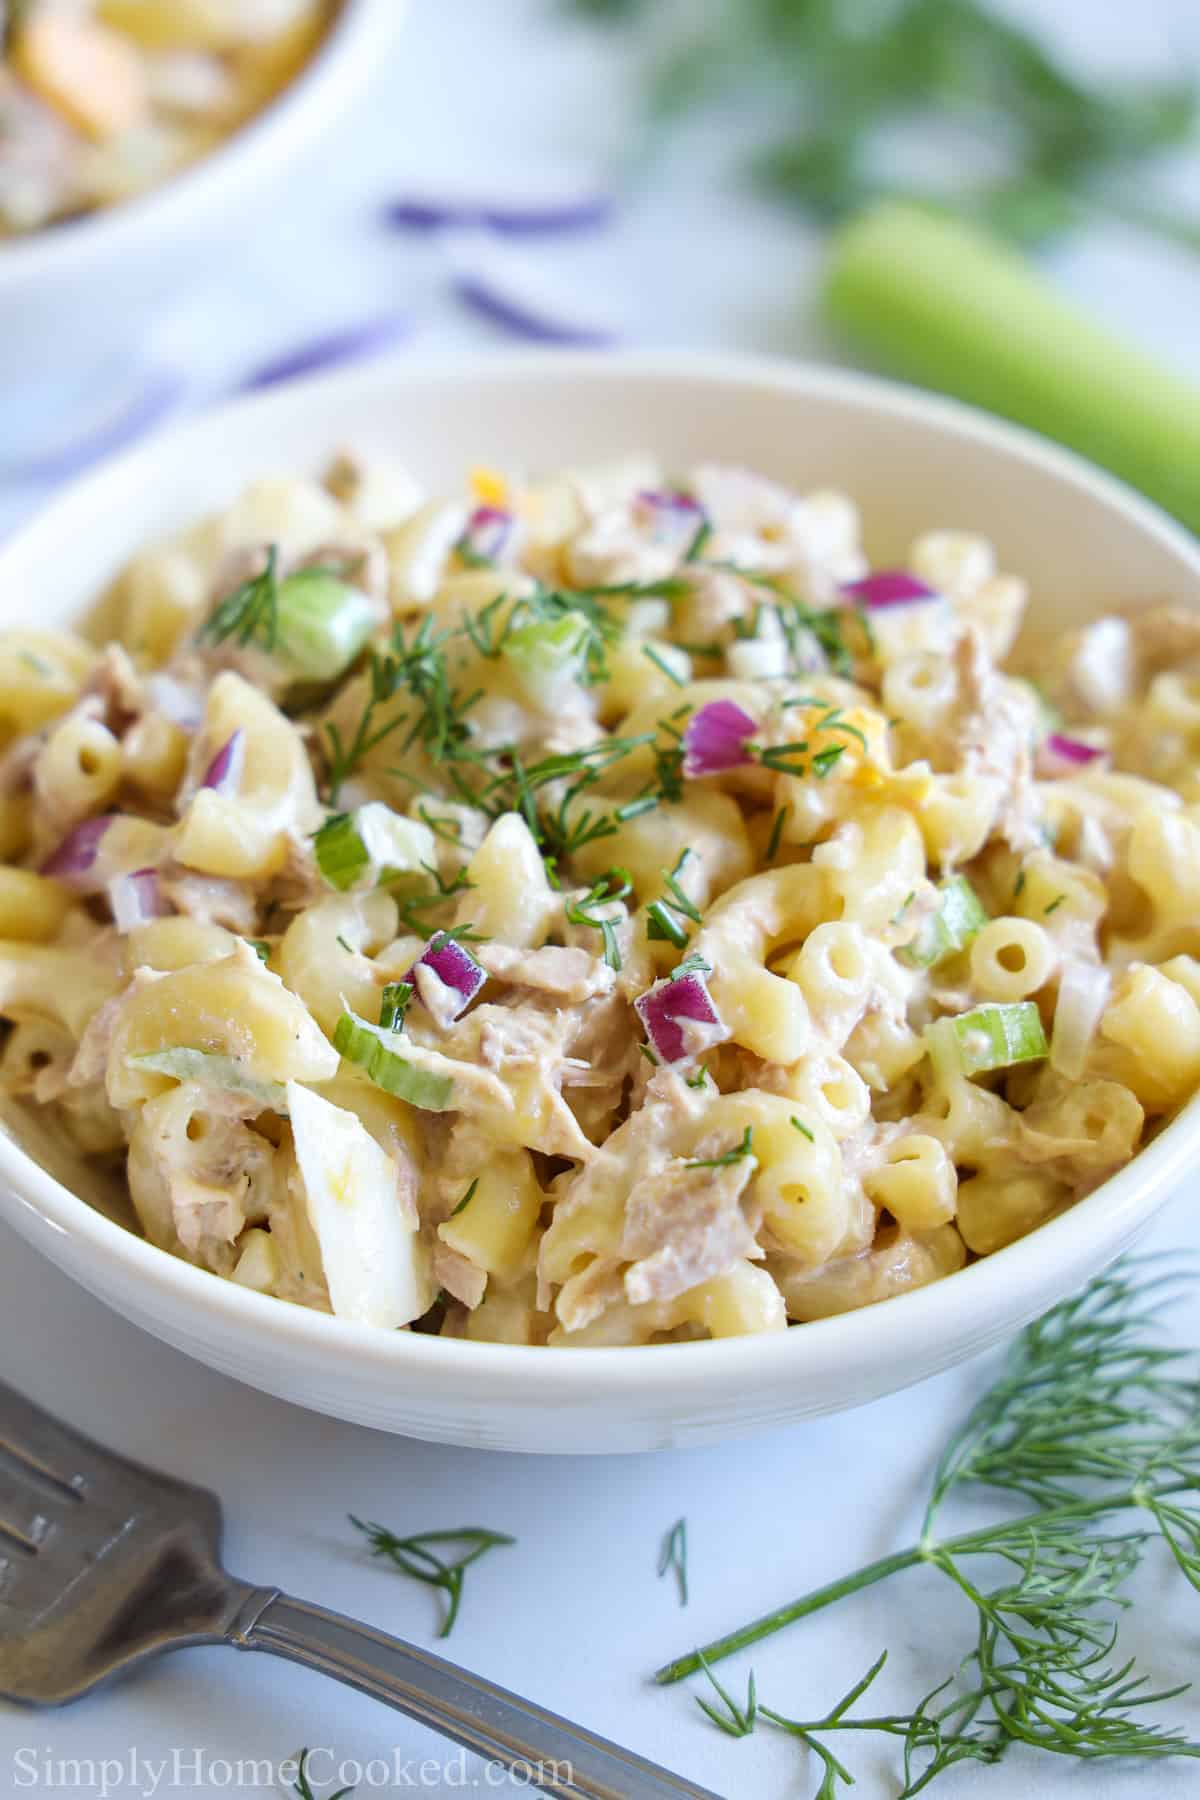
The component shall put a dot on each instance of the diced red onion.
(888, 587)
(177, 701)
(1083, 992)
(455, 968)
(518, 296)
(668, 1006)
(224, 772)
(72, 861)
(1059, 755)
(535, 213)
(136, 898)
(715, 739)
(675, 518)
(350, 343)
(161, 391)
(489, 533)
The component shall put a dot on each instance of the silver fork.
(104, 1563)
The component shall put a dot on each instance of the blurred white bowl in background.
(93, 285)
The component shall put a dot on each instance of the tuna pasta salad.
(102, 99)
(593, 910)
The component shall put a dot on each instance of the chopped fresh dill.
(1092, 1420)
(699, 542)
(649, 1055)
(745, 1148)
(251, 613)
(1054, 905)
(466, 1199)
(1019, 885)
(698, 1080)
(691, 965)
(615, 885)
(736, 1721)
(674, 1555)
(348, 948)
(825, 760)
(449, 830)
(797, 1125)
(660, 662)
(661, 924)
(777, 825)
(261, 948)
(414, 1556)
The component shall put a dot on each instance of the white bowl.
(1086, 543)
(98, 281)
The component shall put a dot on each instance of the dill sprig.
(830, 92)
(661, 922)
(674, 1555)
(251, 612)
(303, 1788)
(1093, 1420)
(725, 1161)
(613, 886)
(414, 1556)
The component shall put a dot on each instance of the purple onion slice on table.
(521, 298)
(350, 343)
(535, 213)
(161, 392)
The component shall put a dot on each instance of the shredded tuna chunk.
(569, 974)
(210, 899)
(685, 1226)
(462, 1278)
(993, 731)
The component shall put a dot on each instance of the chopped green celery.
(371, 1048)
(945, 305)
(321, 624)
(988, 1037)
(187, 1064)
(959, 918)
(545, 654)
(372, 842)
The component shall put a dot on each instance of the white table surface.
(574, 1614)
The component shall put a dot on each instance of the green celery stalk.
(942, 304)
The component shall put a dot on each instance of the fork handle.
(567, 1761)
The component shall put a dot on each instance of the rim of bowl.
(942, 1309)
(322, 89)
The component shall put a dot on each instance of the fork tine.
(41, 1445)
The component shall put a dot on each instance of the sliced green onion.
(959, 918)
(186, 1064)
(365, 847)
(370, 1048)
(988, 1037)
(321, 624)
(544, 654)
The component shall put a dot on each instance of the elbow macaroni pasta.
(663, 1034)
